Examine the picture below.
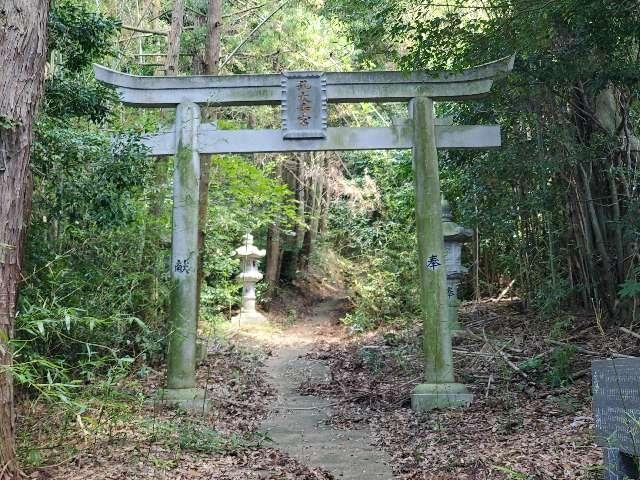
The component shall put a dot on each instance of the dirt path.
(297, 424)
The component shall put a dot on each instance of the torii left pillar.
(181, 389)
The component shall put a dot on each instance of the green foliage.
(77, 37)
(532, 364)
(513, 474)
(242, 198)
(92, 302)
(567, 52)
(7, 123)
(254, 198)
(79, 34)
(373, 359)
(379, 238)
(631, 287)
(193, 436)
(550, 297)
(85, 179)
(69, 96)
(358, 321)
(202, 438)
(560, 365)
(560, 328)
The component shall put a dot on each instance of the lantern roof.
(248, 249)
(452, 231)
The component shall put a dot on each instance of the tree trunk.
(301, 191)
(309, 200)
(291, 261)
(289, 255)
(173, 40)
(325, 203)
(316, 201)
(23, 45)
(211, 63)
(272, 272)
(212, 48)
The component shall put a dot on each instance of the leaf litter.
(121, 436)
(530, 419)
(531, 415)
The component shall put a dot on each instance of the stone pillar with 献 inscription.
(181, 389)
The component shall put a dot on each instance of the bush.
(560, 366)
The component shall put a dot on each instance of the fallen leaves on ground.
(520, 425)
(124, 436)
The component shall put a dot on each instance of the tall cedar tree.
(23, 45)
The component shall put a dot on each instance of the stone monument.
(616, 409)
(249, 255)
(454, 237)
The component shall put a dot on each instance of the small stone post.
(439, 389)
(249, 255)
(181, 357)
(454, 237)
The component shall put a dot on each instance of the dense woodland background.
(554, 211)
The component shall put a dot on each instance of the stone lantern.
(249, 255)
(454, 237)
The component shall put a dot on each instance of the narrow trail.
(298, 424)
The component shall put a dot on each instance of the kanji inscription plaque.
(616, 409)
(304, 105)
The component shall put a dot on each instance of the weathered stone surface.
(249, 255)
(431, 263)
(439, 389)
(304, 105)
(454, 237)
(421, 133)
(616, 408)
(429, 396)
(181, 356)
(299, 426)
(616, 402)
(267, 90)
(397, 137)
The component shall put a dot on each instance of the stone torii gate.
(303, 97)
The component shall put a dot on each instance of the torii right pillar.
(439, 389)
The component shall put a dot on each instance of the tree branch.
(143, 30)
(258, 27)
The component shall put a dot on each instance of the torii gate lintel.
(350, 87)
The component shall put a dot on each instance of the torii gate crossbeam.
(353, 87)
(304, 97)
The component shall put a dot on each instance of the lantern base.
(455, 328)
(201, 350)
(249, 318)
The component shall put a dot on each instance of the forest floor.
(530, 419)
(531, 416)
